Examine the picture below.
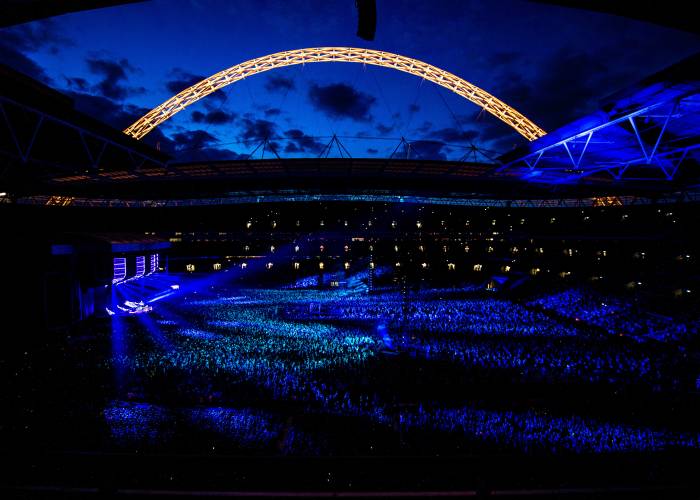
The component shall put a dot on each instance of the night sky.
(550, 63)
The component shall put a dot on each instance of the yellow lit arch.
(461, 87)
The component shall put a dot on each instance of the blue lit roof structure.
(648, 132)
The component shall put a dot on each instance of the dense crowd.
(531, 431)
(575, 360)
(314, 350)
(483, 316)
(616, 315)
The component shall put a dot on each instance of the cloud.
(114, 77)
(452, 134)
(427, 150)
(299, 142)
(342, 101)
(194, 139)
(120, 116)
(77, 83)
(200, 145)
(257, 130)
(496, 135)
(106, 110)
(17, 44)
(39, 35)
(277, 83)
(215, 117)
(425, 127)
(180, 80)
(503, 58)
(566, 86)
(22, 63)
(384, 129)
(191, 145)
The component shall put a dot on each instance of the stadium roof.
(650, 131)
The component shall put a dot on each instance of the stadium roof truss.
(29, 135)
(653, 142)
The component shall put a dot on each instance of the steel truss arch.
(459, 86)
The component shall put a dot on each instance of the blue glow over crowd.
(240, 366)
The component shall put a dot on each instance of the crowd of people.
(615, 315)
(326, 352)
(478, 316)
(531, 431)
(542, 359)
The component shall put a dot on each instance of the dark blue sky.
(550, 63)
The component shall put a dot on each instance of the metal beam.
(451, 82)
(43, 117)
(654, 157)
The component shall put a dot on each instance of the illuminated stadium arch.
(459, 86)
